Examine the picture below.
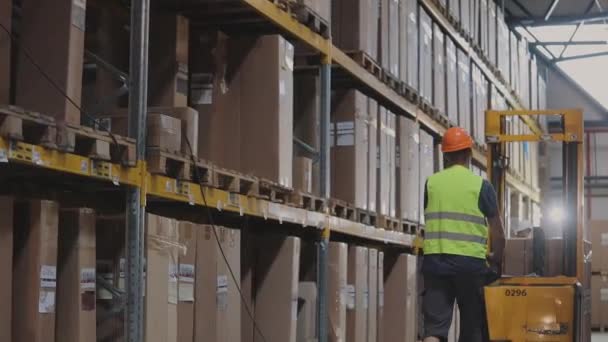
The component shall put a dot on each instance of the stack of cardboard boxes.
(599, 268)
(518, 257)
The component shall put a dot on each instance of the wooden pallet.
(366, 217)
(391, 80)
(30, 127)
(368, 63)
(307, 201)
(425, 106)
(388, 223)
(342, 209)
(273, 191)
(233, 181)
(202, 171)
(410, 93)
(169, 164)
(441, 118)
(409, 227)
(310, 19)
(95, 144)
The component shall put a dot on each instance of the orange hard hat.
(456, 139)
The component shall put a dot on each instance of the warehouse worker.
(459, 206)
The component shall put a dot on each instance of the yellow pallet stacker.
(547, 309)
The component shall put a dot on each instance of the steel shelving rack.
(142, 186)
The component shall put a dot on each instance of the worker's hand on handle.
(495, 262)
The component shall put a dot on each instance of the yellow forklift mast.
(531, 308)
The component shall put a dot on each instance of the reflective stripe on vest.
(454, 222)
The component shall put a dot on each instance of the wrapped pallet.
(357, 294)
(492, 33)
(425, 50)
(466, 15)
(502, 44)
(380, 300)
(76, 276)
(186, 284)
(372, 157)
(427, 167)
(439, 70)
(355, 25)
(372, 285)
(412, 44)
(408, 169)
(337, 289)
(35, 263)
(383, 190)
(349, 147)
(388, 49)
(401, 293)
(464, 93)
(599, 302)
(452, 79)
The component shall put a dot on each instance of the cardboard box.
(401, 293)
(393, 37)
(6, 14)
(358, 294)
(412, 44)
(267, 110)
(554, 257)
(189, 126)
(408, 170)
(35, 263)
(302, 174)
(168, 70)
(337, 289)
(599, 241)
(349, 148)
(465, 15)
(217, 308)
(76, 276)
(161, 298)
(276, 297)
(518, 257)
(391, 136)
(426, 56)
(164, 132)
(6, 257)
(355, 25)
(427, 166)
(186, 269)
(380, 314)
(63, 66)
(372, 154)
(439, 70)
(464, 93)
(599, 301)
(383, 172)
(384, 45)
(217, 97)
(307, 312)
(452, 78)
(110, 267)
(372, 285)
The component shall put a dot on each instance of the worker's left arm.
(488, 205)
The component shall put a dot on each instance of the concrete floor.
(597, 337)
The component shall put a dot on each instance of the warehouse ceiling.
(569, 34)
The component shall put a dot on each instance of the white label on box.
(87, 279)
(350, 302)
(294, 309)
(46, 301)
(604, 239)
(222, 292)
(186, 283)
(381, 299)
(172, 278)
(289, 55)
(366, 299)
(48, 276)
(343, 295)
(604, 295)
(345, 133)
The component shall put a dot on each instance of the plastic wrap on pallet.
(492, 32)
(465, 15)
(383, 190)
(533, 83)
(403, 39)
(355, 25)
(427, 168)
(384, 44)
(454, 9)
(464, 90)
(408, 169)
(439, 69)
(391, 136)
(358, 294)
(372, 154)
(412, 44)
(502, 44)
(474, 22)
(393, 37)
(475, 101)
(349, 147)
(426, 56)
(451, 80)
(514, 61)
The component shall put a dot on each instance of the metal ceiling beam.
(551, 9)
(587, 55)
(561, 20)
(578, 27)
(565, 42)
(522, 8)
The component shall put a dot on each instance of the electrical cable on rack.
(197, 178)
(56, 86)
